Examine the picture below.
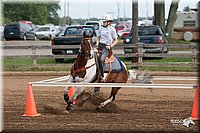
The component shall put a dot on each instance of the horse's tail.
(143, 78)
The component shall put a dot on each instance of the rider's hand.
(95, 50)
(108, 47)
(96, 45)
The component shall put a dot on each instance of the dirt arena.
(135, 109)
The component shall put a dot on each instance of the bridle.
(86, 53)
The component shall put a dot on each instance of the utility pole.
(65, 17)
(88, 12)
(118, 10)
(147, 9)
(124, 10)
(68, 18)
(135, 30)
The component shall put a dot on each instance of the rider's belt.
(102, 45)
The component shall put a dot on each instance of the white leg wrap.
(106, 102)
(77, 92)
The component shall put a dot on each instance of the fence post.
(34, 61)
(140, 52)
(194, 54)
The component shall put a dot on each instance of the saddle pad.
(116, 66)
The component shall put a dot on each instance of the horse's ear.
(92, 34)
(84, 34)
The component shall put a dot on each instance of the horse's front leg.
(110, 99)
(66, 97)
(70, 100)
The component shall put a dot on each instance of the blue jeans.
(102, 57)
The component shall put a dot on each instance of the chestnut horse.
(86, 70)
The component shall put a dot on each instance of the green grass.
(13, 64)
(166, 61)
(16, 64)
(169, 60)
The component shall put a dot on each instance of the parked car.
(72, 36)
(148, 35)
(122, 27)
(123, 33)
(1, 32)
(62, 29)
(19, 30)
(46, 32)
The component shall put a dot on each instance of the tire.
(50, 37)
(35, 38)
(24, 37)
(188, 36)
(59, 60)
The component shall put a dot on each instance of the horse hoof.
(65, 112)
(98, 108)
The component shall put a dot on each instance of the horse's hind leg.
(110, 99)
(114, 92)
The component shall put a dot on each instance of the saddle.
(110, 57)
(112, 63)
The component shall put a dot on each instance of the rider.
(106, 39)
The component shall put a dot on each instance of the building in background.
(187, 25)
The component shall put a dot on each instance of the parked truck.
(151, 34)
(72, 36)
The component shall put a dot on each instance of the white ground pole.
(56, 82)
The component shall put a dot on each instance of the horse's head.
(86, 48)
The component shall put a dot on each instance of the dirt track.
(133, 109)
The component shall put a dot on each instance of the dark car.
(152, 34)
(19, 30)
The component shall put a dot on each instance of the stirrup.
(101, 80)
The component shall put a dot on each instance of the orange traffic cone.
(71, 91)
(195, 108)
(30, 103)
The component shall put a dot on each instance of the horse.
(86, 70)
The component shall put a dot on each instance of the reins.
(84, 68)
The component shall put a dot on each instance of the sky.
(97, 8)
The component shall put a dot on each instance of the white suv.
(46, 32)
(96, 24)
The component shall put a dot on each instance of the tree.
(159, 13)
(52, 13)
(172, 18)
(38, 13)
